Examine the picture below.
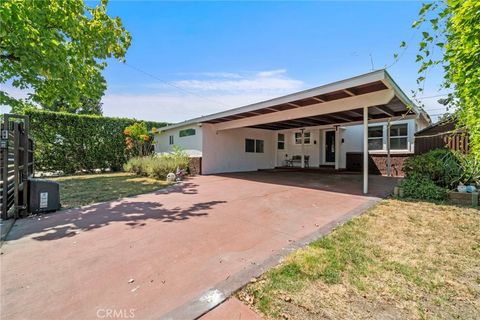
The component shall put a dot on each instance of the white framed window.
(375, 138)
(281, 141)
(298, 138)
(170, 140)
(249, 145)
(254, 146)
(259, 146)
(399, 136)
(186, 132)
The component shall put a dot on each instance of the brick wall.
(377, 163)
(195, 165)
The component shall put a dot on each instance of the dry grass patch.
(82, 190)
(402, 259)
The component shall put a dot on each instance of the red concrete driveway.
(173, 253)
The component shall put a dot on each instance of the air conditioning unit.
(43, 196)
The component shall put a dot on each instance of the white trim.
(375, 98)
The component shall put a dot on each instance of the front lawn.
(401, 260)
(81, 190)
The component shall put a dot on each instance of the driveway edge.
(216, 295)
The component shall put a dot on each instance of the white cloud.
(271, 73)
(211, 92)
(173, 107)
(241, 85)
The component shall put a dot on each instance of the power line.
(175, 86)
(435, 96)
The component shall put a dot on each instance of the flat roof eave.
(342, 85)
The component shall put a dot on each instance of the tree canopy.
(454, 29)
(57, 49)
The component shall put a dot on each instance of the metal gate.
(16, 158)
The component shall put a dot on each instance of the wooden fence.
(454, 140)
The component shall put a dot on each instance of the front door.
(330, 147)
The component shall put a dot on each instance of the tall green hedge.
(70, 142)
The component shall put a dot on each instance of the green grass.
(82, 190)
(402, 259)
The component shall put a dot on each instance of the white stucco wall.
(191, 144)
(224, 151)
(292, 149)
(352, 142)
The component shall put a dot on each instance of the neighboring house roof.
(445, 125)
(371, 82)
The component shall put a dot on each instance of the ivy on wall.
(71, 143)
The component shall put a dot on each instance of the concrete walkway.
(173, 253)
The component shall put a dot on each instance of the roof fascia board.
(389, 82)
(368, 99)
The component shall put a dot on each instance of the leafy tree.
(57, 48)
(88, 106)
(138, 141)
(453, 27)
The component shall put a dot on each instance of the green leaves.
(70, 143)
(454, 27)
(58, 49)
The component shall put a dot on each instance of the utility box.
(43, 196)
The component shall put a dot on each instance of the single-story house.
(322, 126)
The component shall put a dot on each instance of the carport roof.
(376, 81)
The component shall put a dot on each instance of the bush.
(421, 187)
(469, 169)
(70, 142)
(158, 166)
(440, 166)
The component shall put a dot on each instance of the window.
(280, 141)
(298, 138)
(252, 145)
(375, 138)
(170, 140)
(259, 146)
(399, 137)
(249, 145)
(187, 132)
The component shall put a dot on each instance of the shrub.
(158, 166)
(440, 166)
(421, 187)
(469, 169)
(70, 142)
(138, 140)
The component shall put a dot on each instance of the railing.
(16, 165)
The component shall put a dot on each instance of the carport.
(365, 99)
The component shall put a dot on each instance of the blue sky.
(191, 59)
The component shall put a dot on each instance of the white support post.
(365, 150)
(389, 161)
(337, 147)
